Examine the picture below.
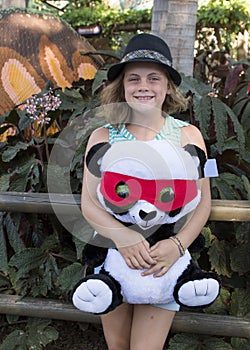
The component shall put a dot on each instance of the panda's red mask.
(124, 191)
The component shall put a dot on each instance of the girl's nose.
(143, 86)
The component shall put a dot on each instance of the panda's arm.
(131, 244)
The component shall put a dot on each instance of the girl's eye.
(122, 190)
(166, 195)
(154, 78)
(133, 79)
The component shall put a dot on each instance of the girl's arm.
(131, 244)
(199, 218)
(166, 252)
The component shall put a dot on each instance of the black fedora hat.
(146, 48)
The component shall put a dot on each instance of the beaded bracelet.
(180, 246)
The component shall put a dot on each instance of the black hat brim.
(116, 69)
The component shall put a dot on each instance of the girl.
(146, 83)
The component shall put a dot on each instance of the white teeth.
(144, 98)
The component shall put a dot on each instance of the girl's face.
(146, 84)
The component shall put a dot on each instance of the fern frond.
(202, 112)
(220, 122)
(238, 129)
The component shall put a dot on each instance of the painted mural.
(36, 48)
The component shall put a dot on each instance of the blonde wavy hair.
(113, 94)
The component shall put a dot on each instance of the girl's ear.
(197, 153)
(94, 156)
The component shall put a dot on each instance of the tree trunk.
(175, 22)
(13, 3)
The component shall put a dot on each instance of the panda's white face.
(147, 186)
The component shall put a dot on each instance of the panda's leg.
(196, 288)
(97, 293)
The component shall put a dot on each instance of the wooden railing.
(222, 210)
(190, 322)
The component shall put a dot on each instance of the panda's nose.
(147, 216)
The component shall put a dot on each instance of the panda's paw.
(92, 296)
(199, 292)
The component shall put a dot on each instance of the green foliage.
(232, 15)
(224, 20)
(109, 18)
(195, 342)
(37, 334)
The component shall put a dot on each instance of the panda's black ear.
(197, 152)
(94, 155)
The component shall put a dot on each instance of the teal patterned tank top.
(171, 131)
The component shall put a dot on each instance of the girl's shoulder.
(98, 135)
(191, 134)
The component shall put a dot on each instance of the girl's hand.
(135, 251)
(166, 254)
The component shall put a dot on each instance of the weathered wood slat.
(188, 322)
(222, 210)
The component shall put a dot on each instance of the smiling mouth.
(143, 98)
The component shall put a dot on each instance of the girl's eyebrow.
(129, 74)
(152, 73)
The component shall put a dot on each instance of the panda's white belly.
(137, 289)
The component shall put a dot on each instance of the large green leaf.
(33, 270)
(72, 100)
(100, 76)
(47, 278)
(70, 276)
(237, 129)
(27, 260)
(4, 182)
(228, 186)
(40, 333)
(240, 304)
(202, 112)
(36, 336)
(80, 244)
(12, 151)
(14, 341)
(240, 258)
(220, 122)
(13, 235)
(26, 174)
(219, 257)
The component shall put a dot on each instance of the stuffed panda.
(152, 187)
